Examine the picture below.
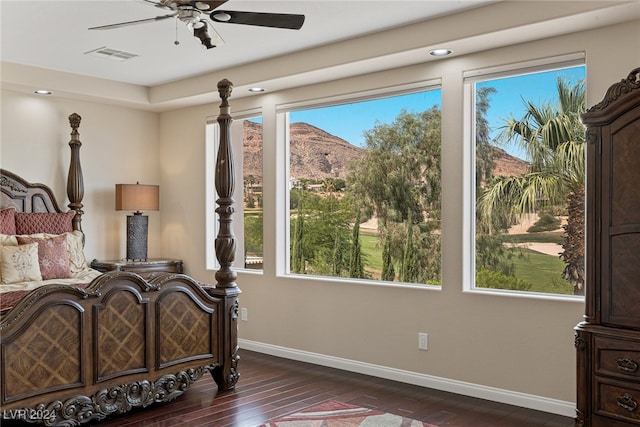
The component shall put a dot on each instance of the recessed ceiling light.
(256, 89)
(440, 52)
(42, 92)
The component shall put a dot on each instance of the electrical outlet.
(244, 314)
(423, 341)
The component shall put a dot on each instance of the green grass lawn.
(371, 251)
(543, 237)
(543, 271)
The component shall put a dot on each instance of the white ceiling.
(43, 43)
(53, 34)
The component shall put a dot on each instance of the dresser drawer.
(618, 400)
(617, 357)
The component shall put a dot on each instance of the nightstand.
(148, 269)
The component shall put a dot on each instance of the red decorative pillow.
(53, 258)
(44, 222)
(8, 221)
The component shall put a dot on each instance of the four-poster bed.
(83, 345)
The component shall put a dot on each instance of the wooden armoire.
(608, 340)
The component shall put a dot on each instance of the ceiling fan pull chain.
(176, 42)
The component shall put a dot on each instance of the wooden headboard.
(30, 197)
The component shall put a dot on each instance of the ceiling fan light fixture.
(199, 24)
(221, 16)
(202, 5)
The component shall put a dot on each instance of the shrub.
(545, 222)
(494, 280)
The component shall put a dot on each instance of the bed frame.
(70, 356)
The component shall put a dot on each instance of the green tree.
(253, 233)
(356, 268)
(326, 224)
(409, 272)
(490, 251)
(388, 272)
(399, 178)
(338, 257)
(553, 137)
(297, 252)
(484, 149)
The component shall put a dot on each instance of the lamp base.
(137, 231)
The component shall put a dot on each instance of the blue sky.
(349, 121)
(539, 88)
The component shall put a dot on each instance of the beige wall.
(119, 145)
(516, 344)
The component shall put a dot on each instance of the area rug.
(339, 414)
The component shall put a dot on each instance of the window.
(364, 187)
(246, 137)
(528, 181)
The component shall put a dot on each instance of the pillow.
(19, 263)
(8, 240)
(44, 222)
(75, 250)
(53, 257)
(8, 221)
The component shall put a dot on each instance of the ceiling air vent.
(112, 54)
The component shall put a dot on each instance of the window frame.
(469, 79)
(283, 247)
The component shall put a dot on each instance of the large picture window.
(364, 188)
(528, 188)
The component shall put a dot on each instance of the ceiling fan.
(193, 13)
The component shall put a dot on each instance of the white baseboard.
(524, 400)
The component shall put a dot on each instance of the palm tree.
(553, 138)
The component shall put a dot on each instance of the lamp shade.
(137, 197)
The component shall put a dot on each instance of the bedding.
(10, 294)
(44, 222)
(20, 263)
(8, 220)
(72, 243)
(59, 258)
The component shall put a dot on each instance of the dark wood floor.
(270, 387)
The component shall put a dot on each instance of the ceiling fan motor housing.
(188, 14)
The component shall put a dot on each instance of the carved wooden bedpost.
(225, 185)
(227, 374)
(75, 181)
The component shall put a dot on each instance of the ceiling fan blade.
(208, 36)
(139, 21)
(273, 20)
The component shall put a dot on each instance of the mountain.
(508, 165)
(316, 154)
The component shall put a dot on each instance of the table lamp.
(137, 197)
